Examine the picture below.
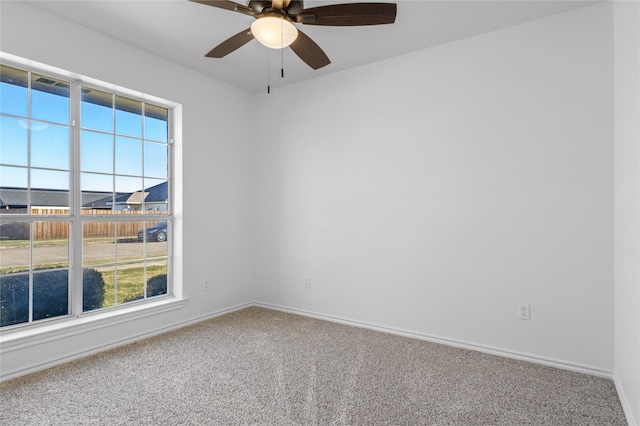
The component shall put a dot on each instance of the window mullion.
(30, 317)
(144, 201)
(75, 240)
(170, 207)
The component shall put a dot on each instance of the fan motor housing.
(295, 6)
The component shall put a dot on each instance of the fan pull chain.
(268, 72)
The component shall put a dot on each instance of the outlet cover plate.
(524, 311)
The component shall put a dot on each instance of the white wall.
(432, 192)
(627, 206)
(216, 185)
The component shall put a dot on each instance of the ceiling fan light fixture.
(275, 32)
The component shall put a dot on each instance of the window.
(85, 197)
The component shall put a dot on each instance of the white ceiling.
(183, 32)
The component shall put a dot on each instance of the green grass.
(130, 283)
(37, 243)
(61, 242)
(87, 263)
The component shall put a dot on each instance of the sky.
(107, 134)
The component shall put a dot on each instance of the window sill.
(11, 340)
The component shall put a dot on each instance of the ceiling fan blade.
(227, 5)
(231, 44)
(351, 14)
(309, 51)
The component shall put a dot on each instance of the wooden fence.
(48, 230)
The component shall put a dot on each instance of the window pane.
(50, 245)
(50, 191)
(156, 160)
(129, 194)
(98, 256)
(50, 294)
(14, 231)
(155, 231)
(13, 189)
(93, 289)
(128, 156)
(15, 247)
(97, 110)
(130, 282)
(97, 193)
(157, 278)
(50, 179)
(49, 99)
(156, 199)
(157, 242)
(156, 121)
(108, 276)
(96, 152)
(14, 299)
(98, 243)
(13, 91)
(128, 117)
(13, 177)
(13, 141)
(93, 182)
(50, 147)
(128, 246)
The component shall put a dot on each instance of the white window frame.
(130, 310)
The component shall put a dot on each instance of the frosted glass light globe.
(274, 32)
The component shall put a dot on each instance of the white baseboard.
(33, 368)
(549, 362)
(624, 400)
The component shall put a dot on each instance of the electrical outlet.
(524, 311)
(307, 281)
(205, 284)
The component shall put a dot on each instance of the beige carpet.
(258, 366)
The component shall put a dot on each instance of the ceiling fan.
(274, 27)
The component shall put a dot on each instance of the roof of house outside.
(17, 197)
(155, 194)
(137, 197)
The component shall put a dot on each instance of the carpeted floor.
(258, 366)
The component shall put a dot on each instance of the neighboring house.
(16, 198)
(155, 197)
